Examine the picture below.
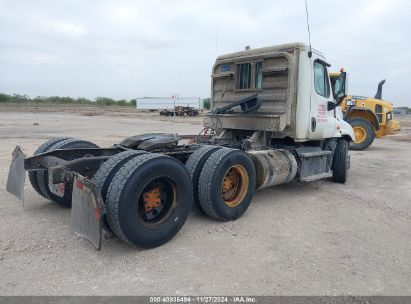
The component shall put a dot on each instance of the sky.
(128, 49)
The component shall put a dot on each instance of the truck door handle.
(313, 124)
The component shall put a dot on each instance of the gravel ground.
(317, 238)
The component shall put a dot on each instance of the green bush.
(82, 100)
(105, 101)
(5, 98)
(122, 102)
(18, 98)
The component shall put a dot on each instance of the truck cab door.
(322, 121)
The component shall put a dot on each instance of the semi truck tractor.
(273, 120)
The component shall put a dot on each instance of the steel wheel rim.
(360, 134)
(156, 201)
(235, 185)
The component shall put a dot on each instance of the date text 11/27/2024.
(203, 299)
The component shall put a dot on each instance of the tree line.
(103, 101)
(100, 101)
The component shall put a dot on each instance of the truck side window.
(250, 75)
(244, 76)
(321, 84)
(258, 74)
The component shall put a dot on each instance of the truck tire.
(106, 172)
(148, 200)
(194, 165)
(227, 184)
(340, 162)
(43, 176)
(364, 133)
(43, 148)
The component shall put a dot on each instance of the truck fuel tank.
(273, 167)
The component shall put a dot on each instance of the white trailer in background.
(160, 103)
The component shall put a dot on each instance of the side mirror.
(331, 105)
(340, 86)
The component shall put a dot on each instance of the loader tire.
(43, 176)
(194, 166)
(340, 162)
(364, 134)
(227, 184)
(43, 148)
(106, 172)
(148, 200)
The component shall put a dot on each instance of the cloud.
(66, 28)
(125, 49)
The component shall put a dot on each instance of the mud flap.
(17, 174)
(87, 210)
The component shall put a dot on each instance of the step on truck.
(274, 119)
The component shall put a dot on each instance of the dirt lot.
(298, 239)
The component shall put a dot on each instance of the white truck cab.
(314, 119)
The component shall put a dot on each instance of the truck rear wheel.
(66, 188)
(194, 166)
(106, 172)
(148, 200)
(340, 162)
(226, 184)
(364, 133)
(43, 148)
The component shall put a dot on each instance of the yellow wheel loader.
(369, 117)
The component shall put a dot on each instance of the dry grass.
(405, 122)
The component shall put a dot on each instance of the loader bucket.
(87, 210)
(17, 174)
